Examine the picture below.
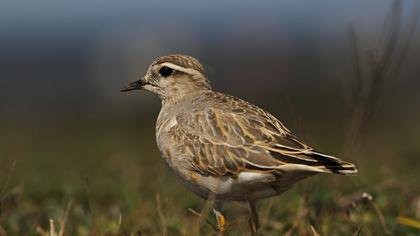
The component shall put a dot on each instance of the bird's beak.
(133, 86)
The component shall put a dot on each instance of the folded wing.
(226, 140)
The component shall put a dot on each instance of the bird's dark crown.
(182, 61)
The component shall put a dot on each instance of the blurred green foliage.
(111, 172)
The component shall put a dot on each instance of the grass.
(92, 181)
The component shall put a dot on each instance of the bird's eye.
(165, 71)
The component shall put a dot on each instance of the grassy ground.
(105, 177)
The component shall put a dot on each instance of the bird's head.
(172, 76)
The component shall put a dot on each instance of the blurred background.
(343, 75)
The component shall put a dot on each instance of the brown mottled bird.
(223, 147)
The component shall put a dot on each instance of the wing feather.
(222, 141)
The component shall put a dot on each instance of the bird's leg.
(253, 219)
(220, 219)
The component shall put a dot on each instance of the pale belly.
(243, 187)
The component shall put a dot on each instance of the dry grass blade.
(357, 62)
(302, 211)
(95, 229)
(314, 232)
(161, 216)
(266, 214)
(6, 182)
(381, 63)
(352, 200)
(358, 231)
(406, 44)
(381, 217)
(52, 228)
(63, 220)
(200, 216)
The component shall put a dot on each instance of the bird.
(224, 148)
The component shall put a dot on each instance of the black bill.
(133, 86)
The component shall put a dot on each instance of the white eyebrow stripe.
(183, 69)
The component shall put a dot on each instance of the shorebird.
(223, 147)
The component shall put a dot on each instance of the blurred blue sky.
(68, 20)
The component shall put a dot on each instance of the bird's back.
(251, 137)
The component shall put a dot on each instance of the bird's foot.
(220, 221)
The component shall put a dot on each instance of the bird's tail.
(330, 164)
